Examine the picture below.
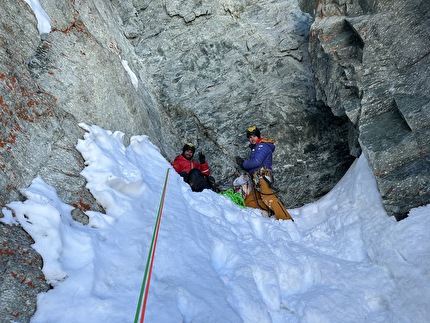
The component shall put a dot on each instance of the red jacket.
(181, 164)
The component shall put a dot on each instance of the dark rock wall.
(372, 63)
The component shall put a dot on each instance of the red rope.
(150, 269)
(151, 256)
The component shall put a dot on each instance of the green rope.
(235, 197)
(140, 311)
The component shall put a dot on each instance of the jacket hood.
(271, 142)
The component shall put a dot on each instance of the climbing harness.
(140, 311)
(266, 175)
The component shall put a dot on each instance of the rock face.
(222, 66)
(21, 278)
(372, 63)
(48, 85)
(203, 71)
(199, 72)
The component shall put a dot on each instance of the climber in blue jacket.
(259, 168)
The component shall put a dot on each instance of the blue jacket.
(261, 155)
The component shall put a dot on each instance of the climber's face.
(188, 154)
(253, 139)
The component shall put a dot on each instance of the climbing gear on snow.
(235, 197)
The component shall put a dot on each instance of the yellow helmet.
(253, 130)
(189, 146)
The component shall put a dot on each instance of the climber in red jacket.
(194, 173)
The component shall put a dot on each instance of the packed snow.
(43, 20)
(133, 78)
(342, 259)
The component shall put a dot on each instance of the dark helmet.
(253, 130)
(189, 146)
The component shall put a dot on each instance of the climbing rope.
(235, 197)
(140, 311)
